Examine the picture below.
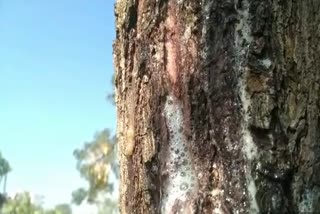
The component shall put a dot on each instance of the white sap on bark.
(206, 5)
(243, 40)
(266, 63)
(181, 175)
(307, 201)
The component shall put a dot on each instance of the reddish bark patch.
(173, 49)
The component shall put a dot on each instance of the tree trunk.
(5, 184)
(218, 105)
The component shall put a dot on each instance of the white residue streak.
(266, 63)
(217, 211)
(206, 6)
(243, 40)
(181, 178)
(307, 204)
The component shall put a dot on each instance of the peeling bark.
(218, 105)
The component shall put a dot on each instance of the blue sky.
(55, 71)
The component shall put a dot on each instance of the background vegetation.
(96, 162)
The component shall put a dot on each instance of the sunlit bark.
(218, 105)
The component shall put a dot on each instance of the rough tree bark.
(218, 105)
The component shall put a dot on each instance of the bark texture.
(218, 105)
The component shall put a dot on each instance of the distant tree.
(63, 208)
(95, 161)
(50, 212)
(111, 96)
(38, 200)
(79, 195)
(20, 204)
(108, 206)
(3, 199)
(4, 170)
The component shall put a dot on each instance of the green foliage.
(94, 162)
(3, 199)
(111, 96)
(4, 170)
(21, 204)
(108, 206)
(51, 212)
(4, 166)
(79, 195)
(63, 208)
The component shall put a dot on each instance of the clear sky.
(55, 71)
